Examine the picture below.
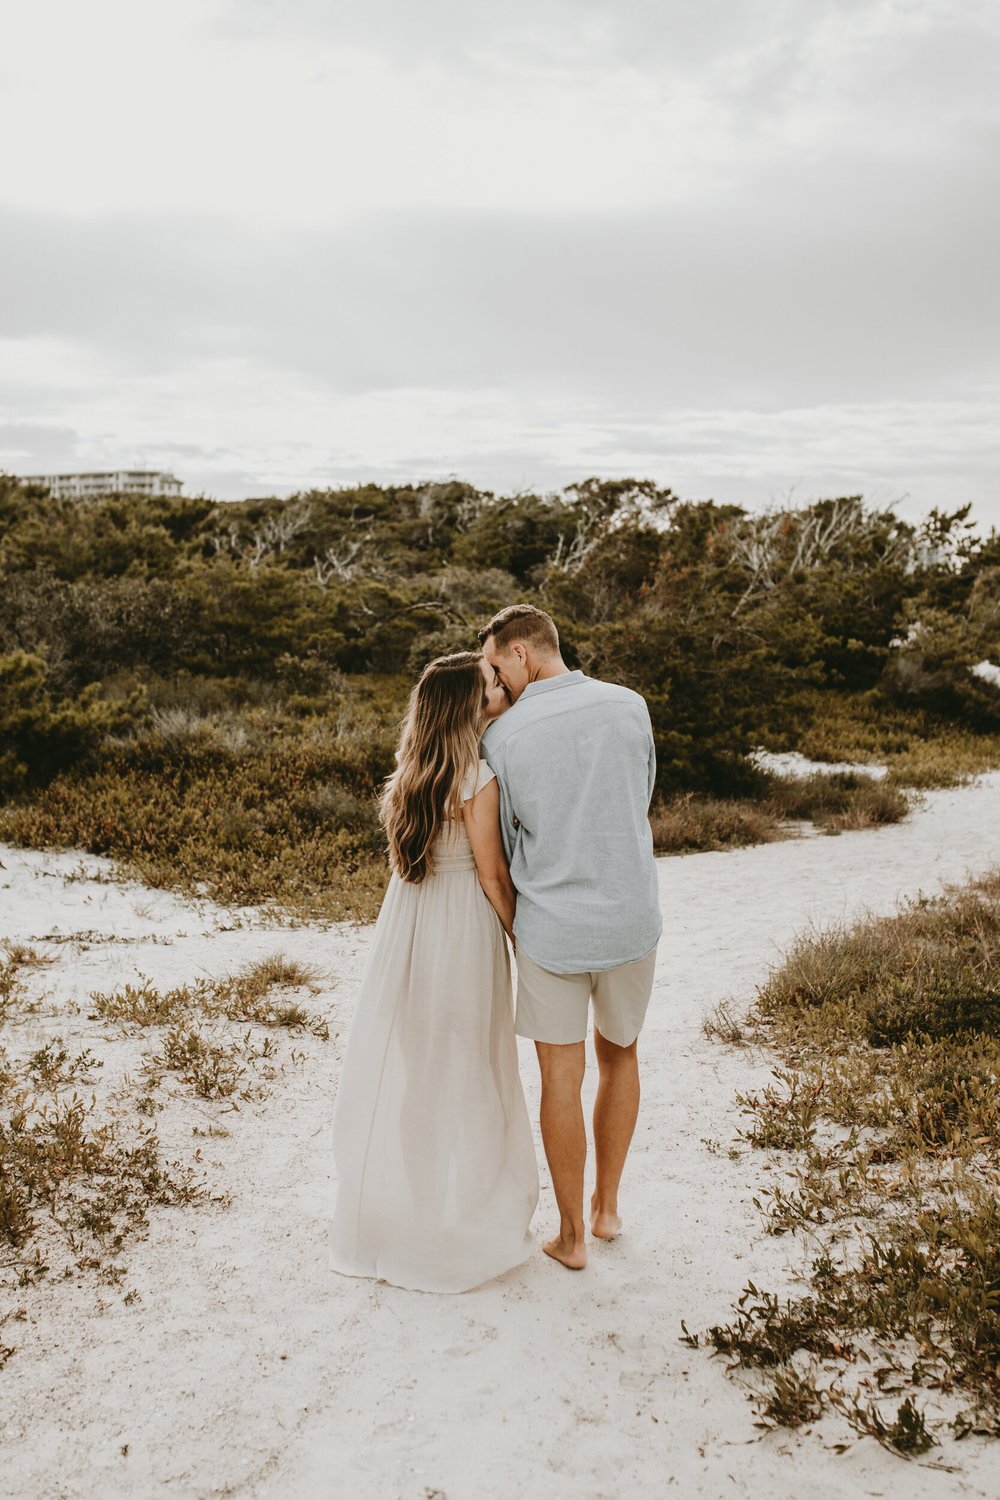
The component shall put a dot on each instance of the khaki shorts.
(555, 1007)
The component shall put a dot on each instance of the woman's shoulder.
(476, 777)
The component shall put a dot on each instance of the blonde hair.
(438, 744)
(522, 622)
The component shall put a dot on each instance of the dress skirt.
(436, 1172)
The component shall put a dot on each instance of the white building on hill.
(109, 482)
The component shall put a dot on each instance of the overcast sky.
(747, 248)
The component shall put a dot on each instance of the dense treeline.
(130, 627)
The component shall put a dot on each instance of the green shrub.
(289, 819)
(251, 627)
(38, 739)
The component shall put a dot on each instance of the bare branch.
(779, 545)
(345, 559)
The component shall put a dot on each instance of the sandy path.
(247, 1369)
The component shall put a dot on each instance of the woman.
(437, 1178)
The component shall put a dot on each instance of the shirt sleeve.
(651, 758)
(477, 777)
(495, 759)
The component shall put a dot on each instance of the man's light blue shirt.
(575, 764)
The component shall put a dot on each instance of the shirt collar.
(547, 684)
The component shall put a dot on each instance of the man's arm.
(651, 767)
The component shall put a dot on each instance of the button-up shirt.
(575, 764)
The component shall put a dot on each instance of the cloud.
(791, 292)
(37, 447)
(243, 434)
(319, 112)
(559, 33)
(570, 35)
(520, 240)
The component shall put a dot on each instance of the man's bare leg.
(616, 1110)
(564, 1137)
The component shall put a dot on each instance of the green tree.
(38, 739)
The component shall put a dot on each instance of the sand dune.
(246, 1369)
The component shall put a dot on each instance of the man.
(575, 764)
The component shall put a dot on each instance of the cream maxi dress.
(436, 1172)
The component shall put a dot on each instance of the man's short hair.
(522, 622)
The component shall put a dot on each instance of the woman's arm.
(482, 823)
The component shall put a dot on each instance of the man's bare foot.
(603, 1225)
(569, 1253)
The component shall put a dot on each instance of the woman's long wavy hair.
(439, 742)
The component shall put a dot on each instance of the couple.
(546, 839)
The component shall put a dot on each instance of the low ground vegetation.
(82, 1166)
(833, 803)
(76, 1182)
(256, 829)
(920, 749)
(248, 809)
(885, 1114)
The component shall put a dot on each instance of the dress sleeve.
(478, 776)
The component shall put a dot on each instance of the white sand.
(988, 671)
(247, 1369)
(796, 765)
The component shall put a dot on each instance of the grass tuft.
(834, 803)
(793, 1399)
(143, 1004)
(837, 802)
(888, 1104)
(247, 996)
(690, 823)
(907, 1435)
(13, 958)
(216, 1067)
(23, 956)
(723, 1025)
(69, 1180)
(78, 1178)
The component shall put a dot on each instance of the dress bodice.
(451, 850)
